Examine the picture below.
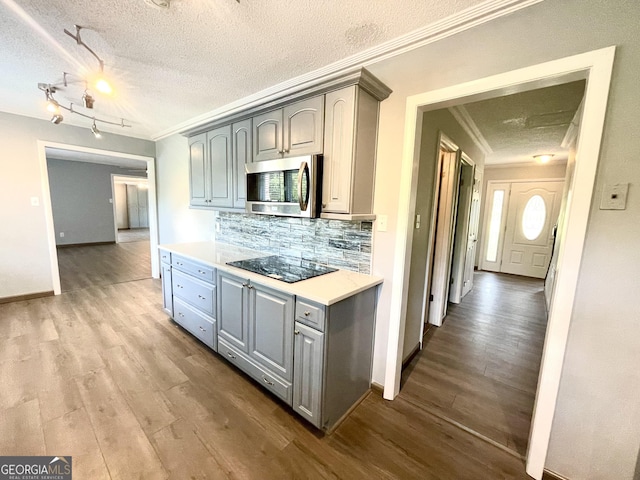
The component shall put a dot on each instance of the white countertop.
(326, 289)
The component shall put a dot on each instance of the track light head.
(95, 131)
(87, 100)
(53, 106)
(57, 118)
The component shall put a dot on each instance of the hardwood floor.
(93, 265)
(133, 235)
(480, 369)
(103, 375)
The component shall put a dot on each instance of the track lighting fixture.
(543, 158)
(102, 85)
(95, 131)
(87, 100)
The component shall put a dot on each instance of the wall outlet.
(61, 234)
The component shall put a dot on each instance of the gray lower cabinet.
(308, 363)
(256, 331)
(189, 296)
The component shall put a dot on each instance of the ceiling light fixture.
(543, 158)
(88, 100)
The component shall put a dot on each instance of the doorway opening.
(79, 200)
(130, 208)
(596, 68)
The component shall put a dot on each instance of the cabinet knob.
(245, 284)
(286, 151)
(307, 313)
(296, 332)
(266, 380)
(230, 355)
(324, 205)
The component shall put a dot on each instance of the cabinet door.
(242, 154)
(132, 206)
(308, 367)
(233, 316)
(267, 136)
(271, 330)
(337, 177)
(167, 292)
(303, 127)
(219, 142)
(198, 171)
(143, 209)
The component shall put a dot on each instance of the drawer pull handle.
(266, 380)
(296, 332)
(231, 355)
(202, 272)
(180, 314)
(201, 297)
(178, 285)
(202, 329)
(307, 313)
(245, 284)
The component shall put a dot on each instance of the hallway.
(480, 369)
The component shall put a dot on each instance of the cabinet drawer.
(271, 382)
(203, 272)
(199, 294)
(310, 314)
(165, 257)
(196, 323)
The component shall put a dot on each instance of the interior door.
(143, 210)
(132, 206)
(462, 231)
(472, 239)
(445, 221)
(532, 214)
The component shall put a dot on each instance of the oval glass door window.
(534, 217)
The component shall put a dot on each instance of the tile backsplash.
(336, 243)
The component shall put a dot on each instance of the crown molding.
(459, 22)
(463, 117)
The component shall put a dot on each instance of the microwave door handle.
(304, 203)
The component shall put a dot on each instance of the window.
(534, 217)
(494, 225)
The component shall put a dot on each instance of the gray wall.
(25, 261)
(433, 123)
(80, 194)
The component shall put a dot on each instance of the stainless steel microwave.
(285, 187)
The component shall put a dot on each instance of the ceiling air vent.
(163, 4)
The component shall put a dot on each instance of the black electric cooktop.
(282, 268)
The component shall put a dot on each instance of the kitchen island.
(309, 343)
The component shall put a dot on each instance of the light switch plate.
(614, 197)
(382, 223)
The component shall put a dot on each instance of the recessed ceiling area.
(170, 65)
(514, 128)
(77, 156)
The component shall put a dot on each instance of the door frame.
(487, 216)
(48, 210)
(597, 67)
(116, 177)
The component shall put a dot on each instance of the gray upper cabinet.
(303, 127)
(267, 136)
(293, 130)
(219, 142)
(351, 124)
(199, 171)
(242, 147)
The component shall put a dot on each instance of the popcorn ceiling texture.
(169, 66)
(340, 244)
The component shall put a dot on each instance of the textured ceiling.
(518, 126)
(169, 66)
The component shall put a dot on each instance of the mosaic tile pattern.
(335, 243)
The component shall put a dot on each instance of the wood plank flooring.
(87, 266)
(103, 375)
(480, 368)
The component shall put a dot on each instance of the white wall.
(25, 265)
(80, 194)
(595, 432)
(178, 222)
